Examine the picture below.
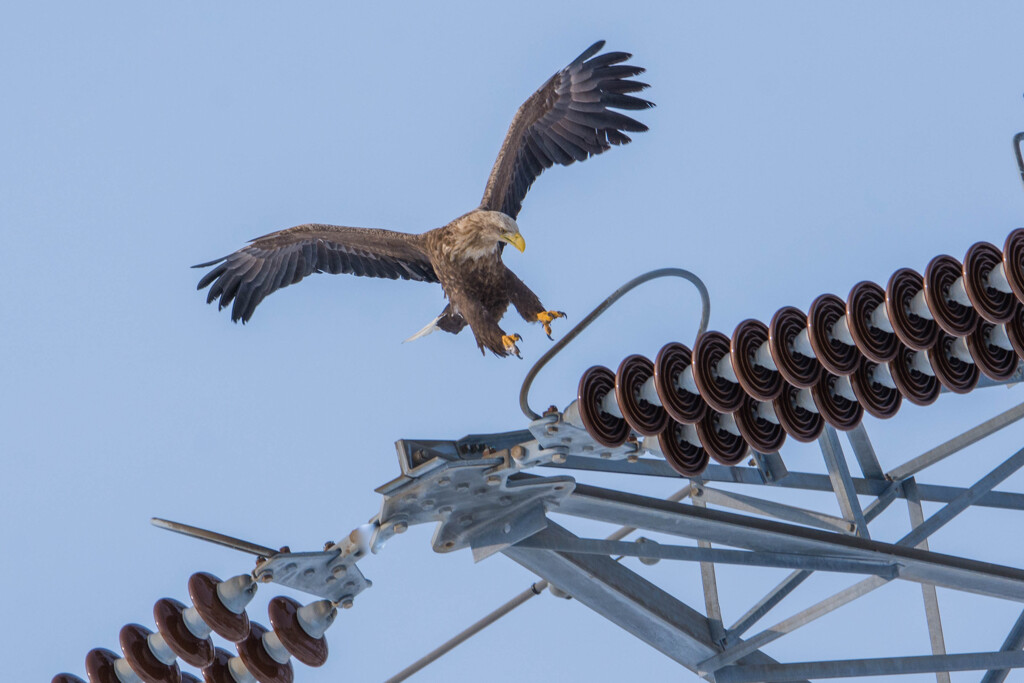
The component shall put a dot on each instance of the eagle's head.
(478, 234)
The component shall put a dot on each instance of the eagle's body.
(568, 119)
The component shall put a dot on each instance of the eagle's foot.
(509, 342)
(546, 317)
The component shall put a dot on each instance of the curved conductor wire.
(705, 300)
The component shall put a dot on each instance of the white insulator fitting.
(766, 411)
(958, 349)
(236, 592)
(316, 617)
(958, 293)
(160, 649)
(919, 363)
(685, 381)
(880, 318)
(725, 370)
(806, 401)
(997, 337)
(689, 435)
(610, 405)
(996, 279)
(238, 671)
(649, 393)
(802, 344)
(727, 423)
(881, 375)
(841, 332)
(843, 388)
(763, 357)
(919, 307)
(195, 624)
(275, 648)
(124, 672)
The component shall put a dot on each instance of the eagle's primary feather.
(570, 118)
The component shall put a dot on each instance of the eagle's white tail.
(430, 327)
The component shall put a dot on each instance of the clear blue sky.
(796, 149)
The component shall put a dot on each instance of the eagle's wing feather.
(283, 258)
(568, 119)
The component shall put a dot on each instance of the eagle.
(570, 118)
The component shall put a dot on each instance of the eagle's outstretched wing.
(283, 258)
(568, 119)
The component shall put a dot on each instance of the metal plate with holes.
(327, 574)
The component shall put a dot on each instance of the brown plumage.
(570, 118)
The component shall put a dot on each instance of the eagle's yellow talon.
(546, 317)
(509, 342)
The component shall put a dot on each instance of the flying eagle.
(570, 118)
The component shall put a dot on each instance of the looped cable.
(1017, 140)
(705, 301)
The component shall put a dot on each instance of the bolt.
(308, 571)
(444, 481)
(401, 527)
(558, 458)
(427, 504)
(632, 457)
(328, 544)
(605, 455)
(566, 439)
(445, 509)
(290, 567)
(346, 602)
(463, 486)
(493, 480)
(339, 569)
(465, 520)
(266, 577)
(518, 452)
(552, 429)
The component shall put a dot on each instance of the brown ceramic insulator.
(218, 671)
(202, 588)
(762, 435)
(916, 332)
(991, 304)
(803, 425)
(99, 666)
(917, 387)
(646, 418)
(681, 455)
(758, 381)
(66, 678)
(875, 343)
(1013, 262)
(954, 318)
(956, 375)
(258, 661)
(726, 449)
(167, 613)
(835, 356)
(141, 659)
(681, 405)
(284, 619)
(721, 394)
(877, 399)
(605, 428)
(841, 413)
(995, 363)
(796, 368)
(1015, 331)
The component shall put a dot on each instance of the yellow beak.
(515, 239)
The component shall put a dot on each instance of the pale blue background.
(796, 149)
